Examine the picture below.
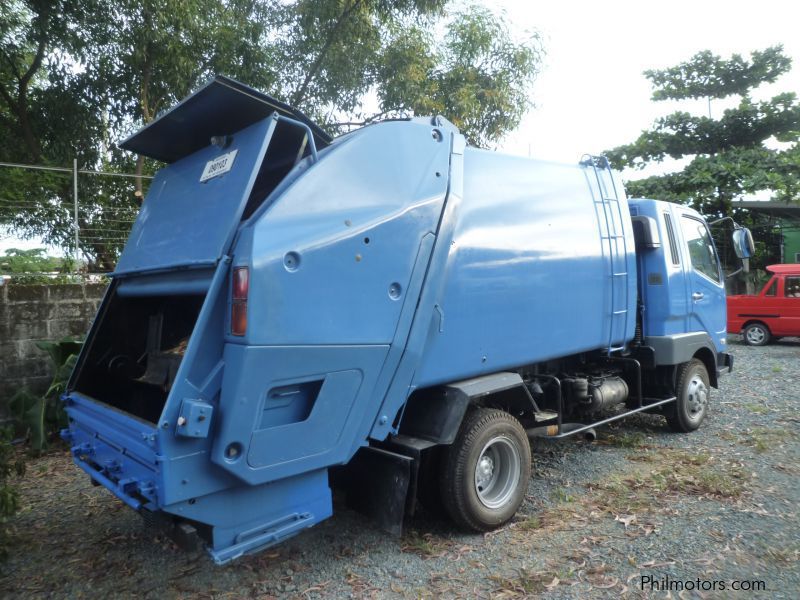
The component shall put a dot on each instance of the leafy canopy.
(76, 76)
(753, 147)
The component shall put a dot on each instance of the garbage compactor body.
(282, 295)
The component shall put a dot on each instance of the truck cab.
(772, 313)
(681, 285)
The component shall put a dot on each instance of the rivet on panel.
(437, 135)
(358, 258)
(395, 290)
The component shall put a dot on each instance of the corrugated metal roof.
(781, 210)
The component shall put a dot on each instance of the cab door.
(705, 286)
(788, 304)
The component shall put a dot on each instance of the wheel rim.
(497, 472)
(756, 335)
(696, 398)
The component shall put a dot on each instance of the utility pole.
(75, 198)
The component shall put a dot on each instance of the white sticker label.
(218, 166)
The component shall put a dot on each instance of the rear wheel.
(485, 472)
(692, 391)
(756, 334)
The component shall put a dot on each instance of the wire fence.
(89, 223)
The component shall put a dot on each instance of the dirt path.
(640, 505)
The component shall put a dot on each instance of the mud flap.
(376, 484)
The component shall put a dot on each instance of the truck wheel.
(692, 390)
(485, 472)
(756, 334)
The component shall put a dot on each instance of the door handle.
(697, 296)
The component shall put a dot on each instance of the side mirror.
(743, 244)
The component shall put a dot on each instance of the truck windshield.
(701, 248)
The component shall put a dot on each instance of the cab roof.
(222, 106)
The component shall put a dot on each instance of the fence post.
(75, 198)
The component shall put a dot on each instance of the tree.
(753, 147)
(29, 261)
(77, 76)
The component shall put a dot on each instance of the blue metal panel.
(662, 282)
(705, 294)
(331, 258)
(97, 436)
(248, 518)
(526, 278)
(324, 438)
(186, 223)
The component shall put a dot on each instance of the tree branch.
(37, 62)
(298, 96)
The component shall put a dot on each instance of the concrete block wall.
(30, 313)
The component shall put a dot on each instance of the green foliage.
(473, 76)
(9, 497)
(41, 417)
(728, 157)
(707, 75)
(32, 261)
(76, 76)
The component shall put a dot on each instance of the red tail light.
(241, 286)
(241, 283)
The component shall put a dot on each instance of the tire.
(485, 472)
(756, 334)
(692, 391)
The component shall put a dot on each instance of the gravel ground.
(719, 505)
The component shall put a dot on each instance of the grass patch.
(777, 369)
(675, 473)
(526, 583)
(634, 439)
(763, 439)
(561, 495)
(529, 523)
(783, 555)
(758, 409)
(425, 545)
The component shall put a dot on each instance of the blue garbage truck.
(391, 313)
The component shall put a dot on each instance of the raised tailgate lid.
(222, 106)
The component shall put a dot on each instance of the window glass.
(791, 287)
(773, 288)
(701, 248)
(673, 249)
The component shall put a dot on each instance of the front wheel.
(485, 472)
(756, 334)
(692, 391)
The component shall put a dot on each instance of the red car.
(773, 313)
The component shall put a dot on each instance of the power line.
(68, 170)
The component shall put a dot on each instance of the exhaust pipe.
(547, 431)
